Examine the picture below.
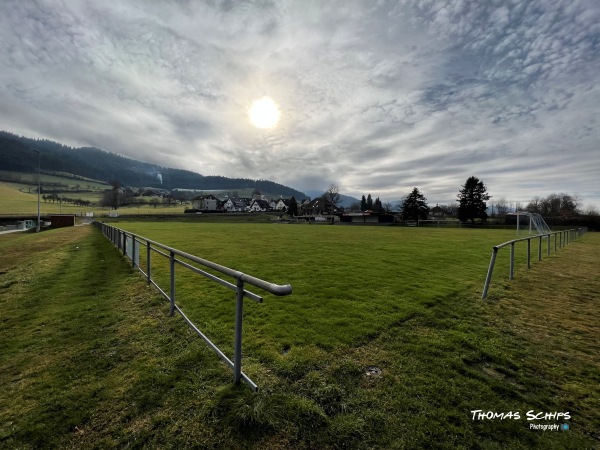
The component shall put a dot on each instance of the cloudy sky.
(375, 96)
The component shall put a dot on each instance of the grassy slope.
(95, 362)
(14, 201)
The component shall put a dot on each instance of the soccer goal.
(535, 222)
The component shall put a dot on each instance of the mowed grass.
(349, 283)
(91, 360)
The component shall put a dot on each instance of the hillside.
(17, 153)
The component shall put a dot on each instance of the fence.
(561, 238)
(131, 245)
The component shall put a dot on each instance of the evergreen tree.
(415, 206)
(363, 204)
(293, 208)
(472, 198)
(369, 203)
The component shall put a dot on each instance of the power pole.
(37, 228)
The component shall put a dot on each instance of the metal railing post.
(133, 251)
(148, 278)
(540, 248)
(560, 239)
(172, 296)
(488, 278)
(237, 347)
(512, 261)
(548, 245)
(529, 253)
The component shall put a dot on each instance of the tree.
(363, 203)
(377, 206)
(369, 203)
(355, 207)
(332, 195)
(400, 204)
(472, 198)
(555, 205)
(502, 208)
(534, 206)
(449, 210)
(293, 208)
(415, 206)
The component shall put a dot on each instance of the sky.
(376, 97)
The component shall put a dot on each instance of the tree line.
(472, 199)
(56, 198)
(473, 205)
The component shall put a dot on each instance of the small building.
(368, 217)
(235, 205)
(62, 220)
(259, 206)
(282, 204)
(320, 206)
(205, 203)
(436, 212)
(25, 224)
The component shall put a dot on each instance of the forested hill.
(17, 154)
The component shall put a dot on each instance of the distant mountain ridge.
(17, 153)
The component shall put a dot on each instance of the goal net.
(536, 222)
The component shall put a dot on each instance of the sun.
(264, 113)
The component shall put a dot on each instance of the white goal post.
(535, 221)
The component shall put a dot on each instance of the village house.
(206, 203)
(436, 212)
(282, 205)
(151, 193)
(234, 205)
(259, 206)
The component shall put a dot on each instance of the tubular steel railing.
(563, 237)
(131, 245)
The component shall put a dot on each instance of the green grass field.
(90, 358)
(15, 199)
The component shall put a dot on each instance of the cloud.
(375, 97)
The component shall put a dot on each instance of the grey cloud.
(376, 97)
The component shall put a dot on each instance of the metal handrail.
(123, 239)
(566, 236)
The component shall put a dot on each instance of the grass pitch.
(91, 360)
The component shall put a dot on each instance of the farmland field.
(20, 199)
(384, 342)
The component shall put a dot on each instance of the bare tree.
(501, 207)
(591, 211)
(555, 205)
(332, 194)
(355, 207)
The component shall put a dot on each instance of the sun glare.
(264, 113)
